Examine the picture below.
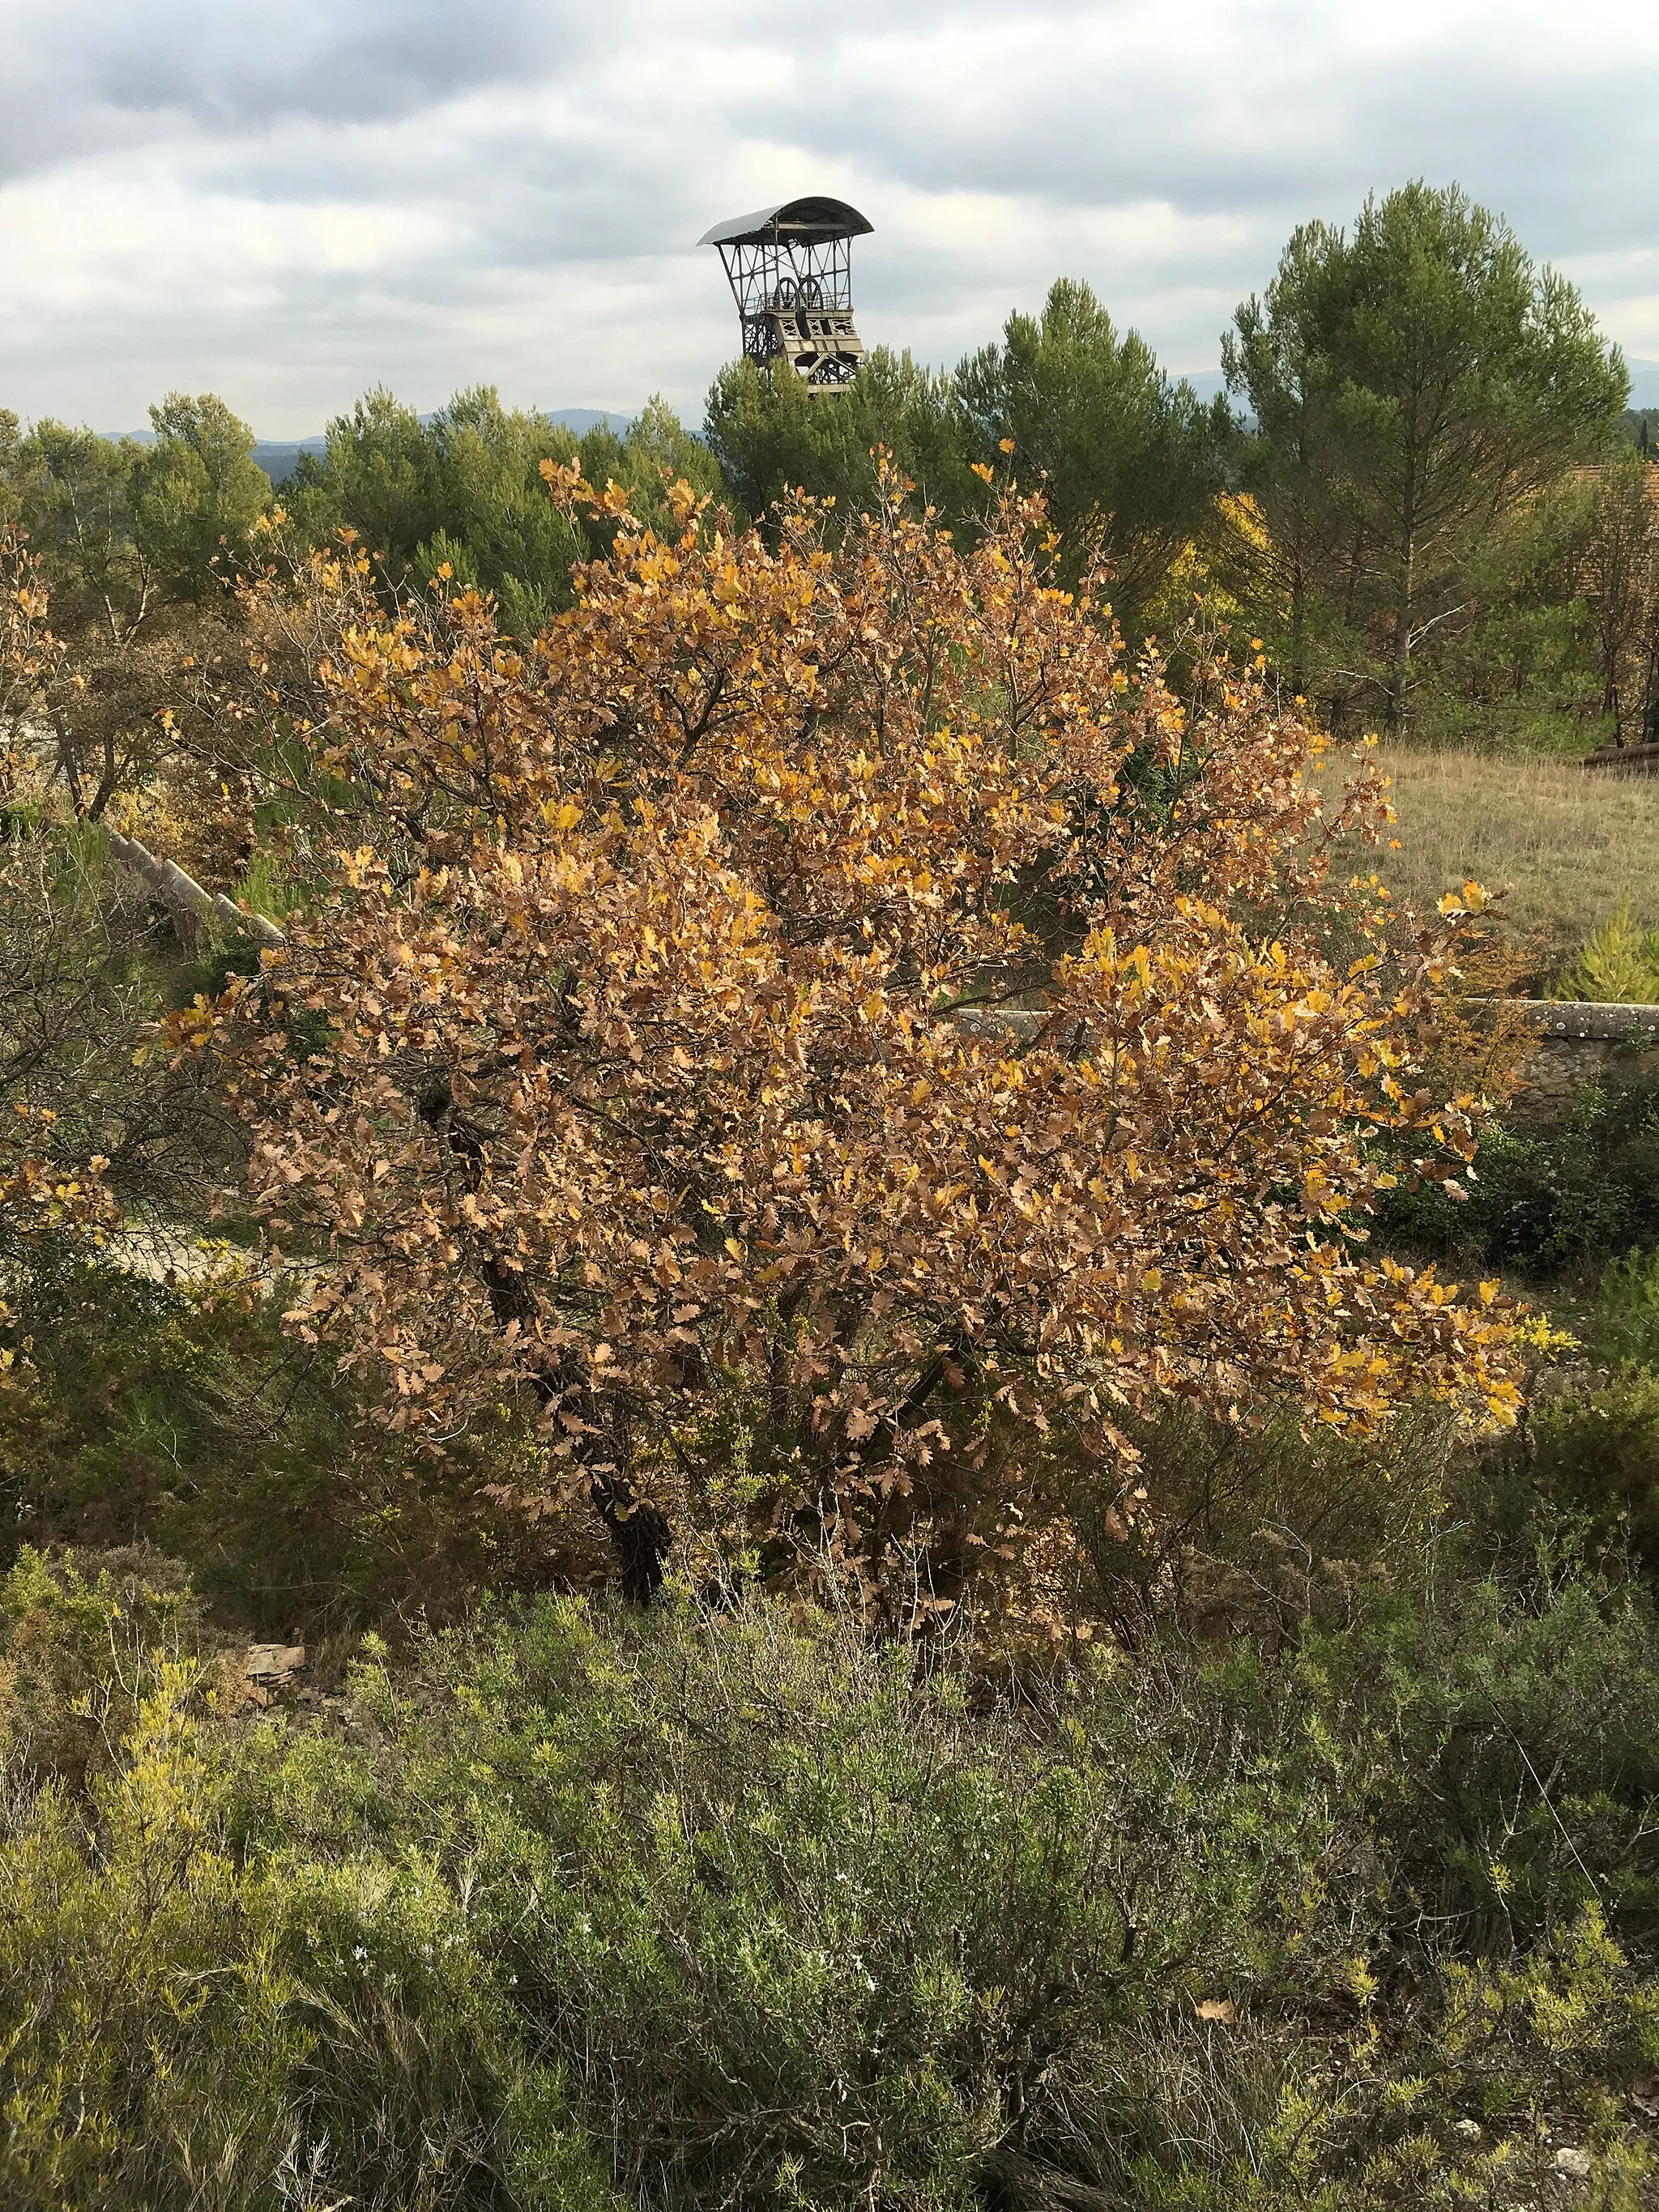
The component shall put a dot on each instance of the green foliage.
(1414, 384)
(1591, 1441)
(139, 546)
(145, 1412)
(806, 1929)
(1516, 667)
(463, 487)
(183, 2022)
(1617, 963)
(379, 477)
(1131, 462)
(197, 492)
(770, 433)
(1593, 1446)
(1246, 1531)
(73, 492)
(1623, 1326)
(785, 1918)
(123, 527)
(77, 1642)
(1547, 1195)
(79, 986)
(658, 445)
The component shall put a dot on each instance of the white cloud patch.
(289, 206)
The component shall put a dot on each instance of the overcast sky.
(289, 205)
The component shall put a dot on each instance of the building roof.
(809, 220)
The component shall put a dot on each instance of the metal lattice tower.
(791, 272)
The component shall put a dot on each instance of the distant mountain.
(1207, 382)
(581, 420)
(279, 458)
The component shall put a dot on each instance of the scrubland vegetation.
(899, 1611)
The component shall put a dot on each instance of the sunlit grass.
(1571, 846)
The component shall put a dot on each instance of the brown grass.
(1570, 846)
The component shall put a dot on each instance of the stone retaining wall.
(1580, 1043)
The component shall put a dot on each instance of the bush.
(182, 2024)
(1618, 963)
(803, 1927)
(145, 1414)
(1594, 1447)
(1361, 1918)
(77, 1647)
(1260, 1529)
(808, 1923)
(1547, 1196)
(1623, 1325)
(1590, 1444)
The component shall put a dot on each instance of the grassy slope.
(1570, 846)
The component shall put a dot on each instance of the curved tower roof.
(812, 220)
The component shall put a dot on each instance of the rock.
(270, 1665)
(1013, 2182)
(1573, 2165)
(1470, 2131)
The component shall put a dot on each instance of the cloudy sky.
(289, 206)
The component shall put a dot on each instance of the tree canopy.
(1130, 460)
(635, 1046)
(1412, 382)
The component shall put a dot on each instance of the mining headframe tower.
(791, 272)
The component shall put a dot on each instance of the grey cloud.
(1270, 124)
(88, 76)
(431, 192)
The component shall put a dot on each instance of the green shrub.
(800, 1924)
(1618, 963)
(1359, 1917)
(1622, 1327)
(1594, 1447)
(806, 1922)
(1255, 1531)
(77, 1648)
(182, 2024)
(1438, 2102)
(146, 1415)
(1546, 1195)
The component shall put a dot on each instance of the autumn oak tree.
(51, 1180)
(639, 1050)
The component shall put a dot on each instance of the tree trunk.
(1400, 678)
(1299, 626)
(640, 1535)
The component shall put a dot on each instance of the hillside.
(1570, 847)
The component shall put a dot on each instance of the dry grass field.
(1571, 846)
